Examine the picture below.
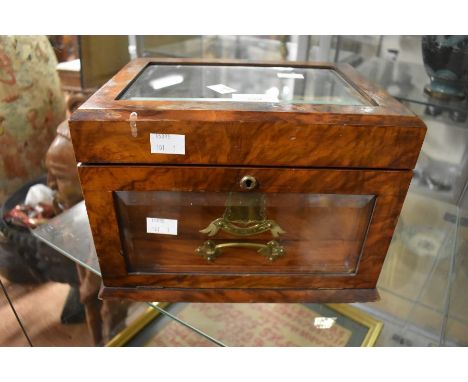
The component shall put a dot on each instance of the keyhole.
(248, 182)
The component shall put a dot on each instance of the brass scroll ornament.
(244, 216)
(254, 229)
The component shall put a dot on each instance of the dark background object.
(101, 57)
(446, 62)
(26, 260)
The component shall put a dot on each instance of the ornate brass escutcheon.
(244, 216)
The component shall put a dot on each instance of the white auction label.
(167, 143)
(161, 226)
(221, 89)
(254, 97)
(290, 75)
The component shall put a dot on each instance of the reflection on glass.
(243, 84)
(405, 81)
(242, 232)
(455, 328)
(70, 234)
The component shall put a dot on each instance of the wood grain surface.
(258, 143)
(242, 295)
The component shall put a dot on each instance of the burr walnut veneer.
(239, 181)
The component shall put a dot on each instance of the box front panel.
(237, 232)
(196, 227)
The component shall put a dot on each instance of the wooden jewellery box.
(240, 181)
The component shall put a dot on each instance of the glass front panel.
(243, 84)
(243, 232)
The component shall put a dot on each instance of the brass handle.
(248, 182)
(210, 250)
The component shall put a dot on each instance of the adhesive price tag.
(254, 97)
(167, 143)
(221, 89)
(161, 226)
(290, 75)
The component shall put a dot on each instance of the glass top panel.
(283, 85)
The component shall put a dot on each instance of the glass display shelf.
(456, 305)
(70, 234)
(442, 167)
(169, 46)
(158, 82)
(424, 275)
(405, 81)
(215, 46)
(413, 287)
(415, 281)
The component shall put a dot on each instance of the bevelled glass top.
(242, 84)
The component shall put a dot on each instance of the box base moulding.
(241, 295)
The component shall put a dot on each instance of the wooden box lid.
(246, 113)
